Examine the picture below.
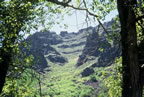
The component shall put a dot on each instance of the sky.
(77, 21)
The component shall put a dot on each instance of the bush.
(114, 81)
(86, 92)
(93, 78)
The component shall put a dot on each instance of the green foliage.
(24, 15)
(20, 77)
(113, 35)
(114, 79)
(139, 24)
(86, 92)
(139, 34)
(17, 19)
(101, 49)
(102, 7)
(65, 81)
(20, 87)
(93, 78)
(109, 80)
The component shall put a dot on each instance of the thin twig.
(66, 4)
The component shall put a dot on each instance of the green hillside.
(71, 64)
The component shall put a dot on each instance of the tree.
(11, 23)
(15, 15)
(19, 16)
(132, 86)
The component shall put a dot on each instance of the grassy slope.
(66, 81)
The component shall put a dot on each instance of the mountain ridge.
(91, 39)
(74, 61)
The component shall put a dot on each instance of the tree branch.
(66, 4)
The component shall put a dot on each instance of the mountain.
(99, 51)
(48, 47)
(42, 50)
(73, 62)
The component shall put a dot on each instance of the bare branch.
(66, 4)
(85, 3)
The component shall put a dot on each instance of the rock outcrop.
(89, 44)
(41, 47)
(49, 47)
(98, 46)
(86, 72)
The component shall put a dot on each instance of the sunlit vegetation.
(20, 74)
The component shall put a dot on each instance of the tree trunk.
(131, 86)
(6, 54)
(6, 60)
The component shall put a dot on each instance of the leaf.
(101, 49)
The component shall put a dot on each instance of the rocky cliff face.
(71, 61)
(42, 50)
(99, 48)
(87, 45)
(50, 48)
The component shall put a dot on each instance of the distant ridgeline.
(90, 45)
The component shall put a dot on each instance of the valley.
(72, 63)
